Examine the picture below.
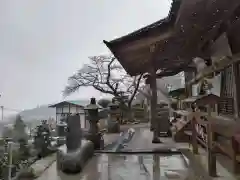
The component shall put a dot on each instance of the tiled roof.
(81, 103)
(136, 60)
(152, 27)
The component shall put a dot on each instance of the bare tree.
(106, 75)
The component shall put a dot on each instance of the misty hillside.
(39, 113)
(32, 116)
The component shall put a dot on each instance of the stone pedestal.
(97, 140)
(74, 161)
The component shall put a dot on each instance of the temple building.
(200, 38)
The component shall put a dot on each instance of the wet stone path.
(124, 166)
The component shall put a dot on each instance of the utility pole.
(2, 108)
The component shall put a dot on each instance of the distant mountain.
(35, 115)
(39, 113)
(8, 120)
(31, 117)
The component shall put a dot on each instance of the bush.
(104, 102)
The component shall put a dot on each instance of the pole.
(9, 160)
(2, 108)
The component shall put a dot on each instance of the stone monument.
(72, 157)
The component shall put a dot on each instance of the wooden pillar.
(212, 161)
(153, 86)
(236, 89)
(156, 167)
(194, 134)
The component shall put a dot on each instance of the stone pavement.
(110, 138)
(100, 167)
(112, 166)
(41, 165)
(125, 167)
(142, 140)
(49, 162)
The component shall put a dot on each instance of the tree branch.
(106, 75)
(135, 90)
(109, 76)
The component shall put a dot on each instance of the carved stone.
(74, 132)
(72, 157)
(75, 160)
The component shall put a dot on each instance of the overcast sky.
(43, 42)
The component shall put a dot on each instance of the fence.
(219, 136)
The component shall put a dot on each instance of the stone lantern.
(94, 134)
(114, 118)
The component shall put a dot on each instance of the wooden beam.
(143, 55)
(170, 65)
(222, 64)
(145, 42)
(174, 71)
